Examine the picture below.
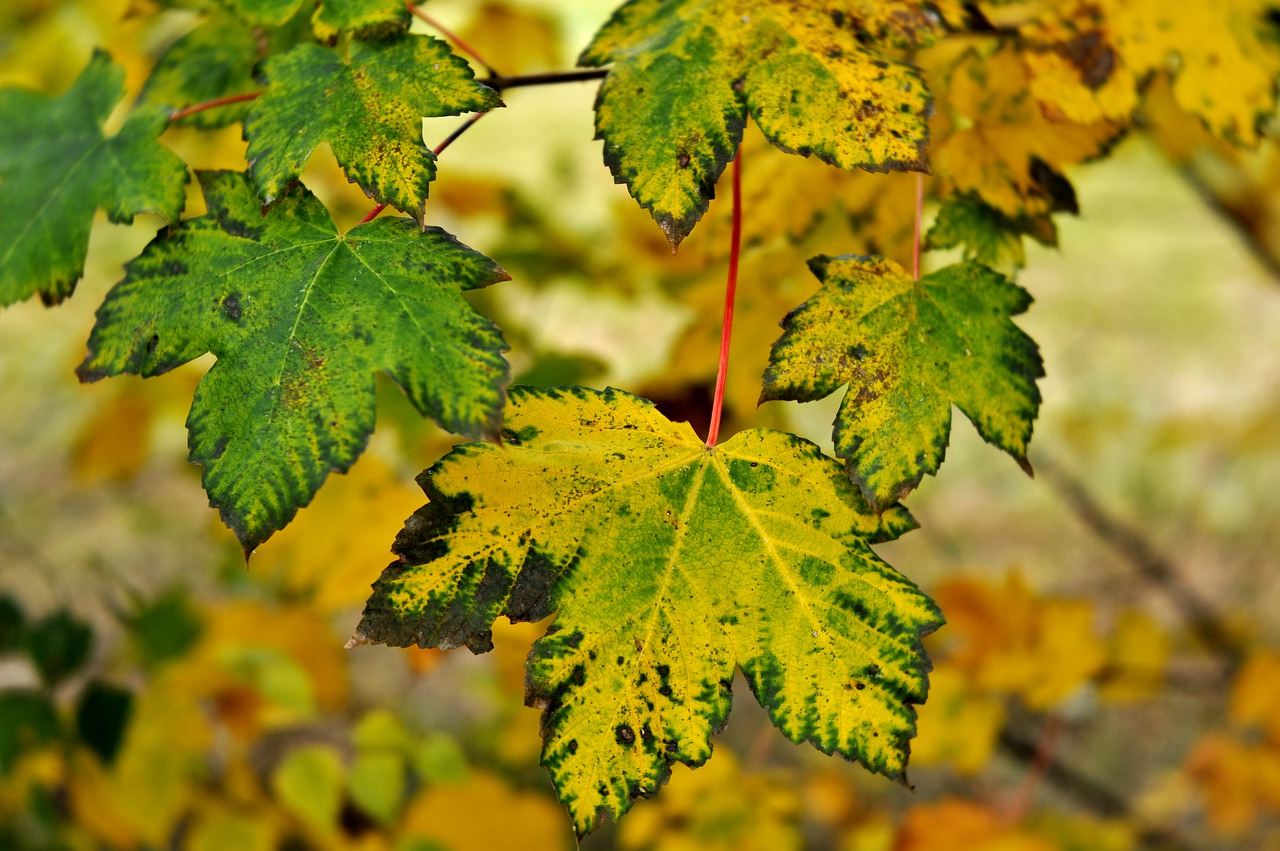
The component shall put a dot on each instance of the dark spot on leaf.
(152, 342)
(572, 747)
(231, 307)
(625, 735)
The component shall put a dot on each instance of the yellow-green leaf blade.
(909, 350)
(300, 318)
(685, 73)
(57, 167)
(368, 107)
(669, 564)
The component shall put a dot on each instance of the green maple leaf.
(987, 235)
(57, 167)
(686, 73)
(670, 564)
(215, 60)
(300, 318)
(369, 108)
(909, 350)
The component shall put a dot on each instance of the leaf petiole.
(730, 290)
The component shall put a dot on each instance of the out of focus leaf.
(13, 625)
(59, 645)
(308, 782)
(57, 167)
(27, 719)
(102, 716)
(165, 628)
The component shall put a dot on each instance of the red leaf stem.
(211, 104)
(458, 42)
(730, 290)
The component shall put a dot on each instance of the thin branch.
(211, 104)
(730, 290)
(498, 82)
(1043, 757)
(1098, 798)
(453, 37)
(915, 241)
(1201, 617)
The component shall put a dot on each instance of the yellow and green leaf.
(670, 564)
(908, 350)
(300, 317)
(685, 73)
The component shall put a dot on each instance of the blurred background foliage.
(1110, 675)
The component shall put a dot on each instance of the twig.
(458, 42)
(1203, 621)
(211, 104)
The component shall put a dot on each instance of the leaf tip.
(358, 639)
(1025, 465)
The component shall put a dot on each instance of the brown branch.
(1202, 619)
(211, 104)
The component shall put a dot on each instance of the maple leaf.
(994, 141)
(909, 350)
(368, 107)
(986, 235)
(57, 167)
(215, 60)
(685, 73)
(300, 318)
(670, 563)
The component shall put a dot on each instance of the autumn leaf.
(57, 167)
(300, 317)
(685, 73)
(992, 138)
(368, 106)
(670, 564)
(909, 350)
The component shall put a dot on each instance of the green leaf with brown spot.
(301, 318)
(57, 167)
(685, 73)
(909, 350)
(669, 564)
(367, 106)
(360, 16)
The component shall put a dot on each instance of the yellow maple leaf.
(717, 806)
(992, 138)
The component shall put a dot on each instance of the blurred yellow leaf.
(1006, 639)
(958, 726)
(993, 139)
(462, 817)
(335, 547)
(515, 40)
(966, 826)
(224, 831)
(717, 806)
(1255, 697)
(1138, 652)
(264, 666)
(1239, 781)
